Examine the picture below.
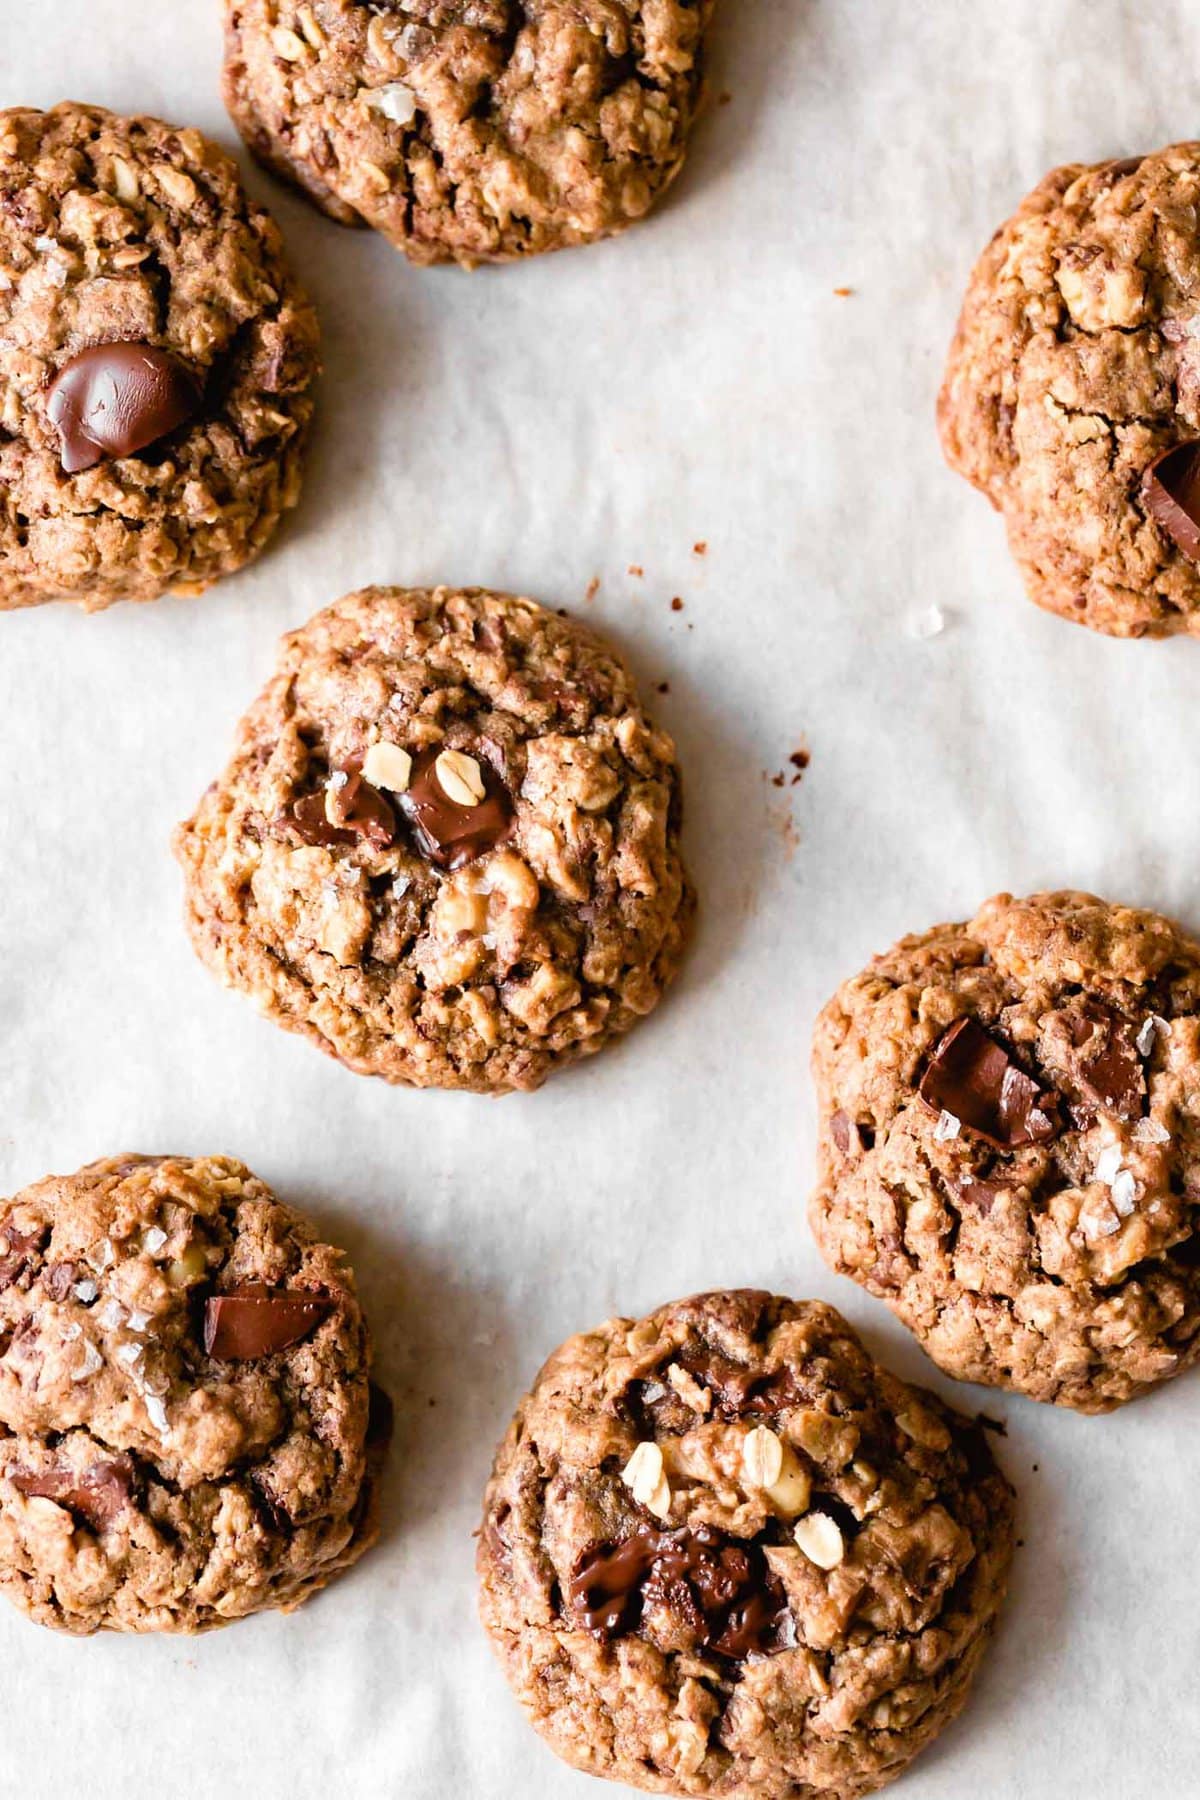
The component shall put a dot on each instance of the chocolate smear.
(974, 1078)
(720, 1589)
(737, 1391)
(99, 1495)
(117, 399)
(256, 1320)
(448, 834)
(1171, 495)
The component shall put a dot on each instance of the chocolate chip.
(58, 1279)
(980, 1196)
(720, 1589)
(1105, 1061)
(448, 834)
(1171, 495)
(1117, 171)
(256, 1320)
(973, 1077)
(18, 1254)
(99, 1495)
(840, 1130)
(117, 399)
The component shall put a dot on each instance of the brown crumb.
(778, 780)
(724, 97)
(636, 569)
(663, 687)
(593, 588)
(799, 760)
(700, 549)
(563, 613)
(677, 604)
(843, 293)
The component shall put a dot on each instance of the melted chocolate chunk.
(973, 1077)
(309, 819)
(1107, 1068)
(738, 1391)
(1171, 495)
(117, 399)
(255, 1320)
(361, 809)
(720, 1589)
(448, 834)
(358, 811)
(100, 1495)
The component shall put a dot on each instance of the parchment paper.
(535, 428)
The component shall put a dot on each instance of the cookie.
(1072, 397)
(475, 132)
(447, 847)
(1010, 1145)
(724, 1552)
(186, 1429)
(156, 361)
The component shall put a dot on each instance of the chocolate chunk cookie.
(156, 360)
(447, 847)
(186, 1434)
(1072, 397)
(470, 130)
(1010, 1145)
(724, 1552)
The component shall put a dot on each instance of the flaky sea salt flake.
(396, 102)
(1150, 1131)
(1124, 1192)
(90, 1362)
(153, 1240)
(85, 1291)
(1108, 1164)
(929, 623)
(156, 1412)
(946, 1128)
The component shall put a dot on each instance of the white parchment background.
(535, 428)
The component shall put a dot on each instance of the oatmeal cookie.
(723, 1552)
(1072, 396)
(156, 361)
(1010, 1145)
(186, 1429)
(447, 847)
(470, 130)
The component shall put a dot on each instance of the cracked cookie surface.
(724, 1552)
(1010, 1145)
(1075, 365)
(470, 130)
(129, 234)
(187, 1434)
(447, 847)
